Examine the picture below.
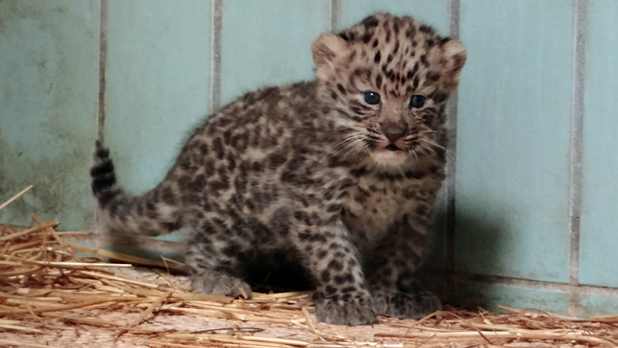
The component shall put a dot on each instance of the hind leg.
(212, 273)
(215, 258)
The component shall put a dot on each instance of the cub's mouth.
(390, 155)
(392, 147)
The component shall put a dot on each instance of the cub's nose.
(394, 131)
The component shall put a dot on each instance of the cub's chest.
(372, 206)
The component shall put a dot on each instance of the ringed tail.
(147, 215)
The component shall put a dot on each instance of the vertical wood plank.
(434, 13)
(512, 184)
(157, 84)
(268, 42)
(599, 219)
(48, 91)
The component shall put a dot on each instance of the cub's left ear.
(455, 54)
(326, 49)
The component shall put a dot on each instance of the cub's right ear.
(326, 49)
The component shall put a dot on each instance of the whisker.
(431, 142)
(349, 140)
(351, 145)
(427, 131)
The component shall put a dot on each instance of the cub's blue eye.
(417, 101)
(372, 98)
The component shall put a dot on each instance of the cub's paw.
(352, 312)
(220, 284)
(406, 305)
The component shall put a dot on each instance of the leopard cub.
(338, 175)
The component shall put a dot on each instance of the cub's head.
(389, 78)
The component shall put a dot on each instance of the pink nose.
(394, 131)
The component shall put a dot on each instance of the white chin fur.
(388, 158)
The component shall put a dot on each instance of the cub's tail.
(152, 214)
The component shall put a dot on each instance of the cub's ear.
(326, 49)
(455, 54)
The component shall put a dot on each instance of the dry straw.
(48, 293)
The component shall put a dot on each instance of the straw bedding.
(51, 297)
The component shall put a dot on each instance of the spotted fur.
(313, 171)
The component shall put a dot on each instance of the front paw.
(406, 305)
(351, 312)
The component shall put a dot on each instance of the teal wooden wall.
(529, 213)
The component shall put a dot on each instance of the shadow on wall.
(484, 240)
(478, 235)
(481, 235)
